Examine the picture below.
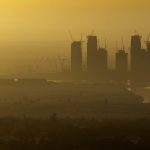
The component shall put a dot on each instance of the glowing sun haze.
(25, 26)
(50, 20)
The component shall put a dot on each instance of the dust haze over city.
(74, 75)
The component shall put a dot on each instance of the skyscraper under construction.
(140, 60)
(76, 57)
(92, 54)
(121, 64)
(135, 53)
(102, 60)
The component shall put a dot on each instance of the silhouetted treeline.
(74, 134)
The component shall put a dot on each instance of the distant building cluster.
(97, 60)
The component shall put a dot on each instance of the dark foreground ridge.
(74, 134)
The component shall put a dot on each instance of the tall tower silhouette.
(139, 60)
(92, 54)
(121, 62)
(135, 42)
(135, 53)
(102, 60)
(76, 57)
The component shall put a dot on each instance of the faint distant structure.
(92, 54)
(76, 57)
(63, 64)
(121, 64)
(148, 43)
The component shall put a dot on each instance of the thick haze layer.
(50, 20)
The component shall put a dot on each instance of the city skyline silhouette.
(74, 75)
(37, 61)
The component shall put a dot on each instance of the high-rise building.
(135, 42)
(135, 53)
(139, 59)
(102, 60)
(121, 62)
(76, 57)
(92, 54)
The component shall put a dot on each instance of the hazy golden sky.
(50, 20)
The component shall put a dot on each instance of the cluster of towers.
(97, 60)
